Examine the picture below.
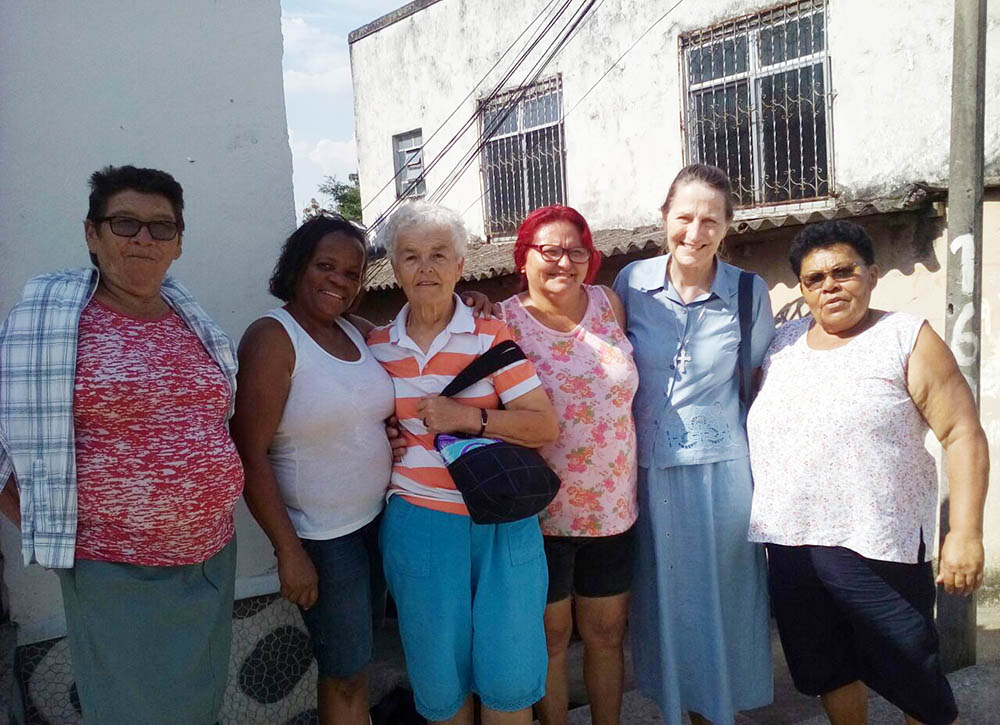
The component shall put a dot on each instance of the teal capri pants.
(471, 604)
(150, 644)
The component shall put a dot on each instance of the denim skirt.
(150, 644)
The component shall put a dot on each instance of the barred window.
(523, 159)
(408, 163)
(757, 105)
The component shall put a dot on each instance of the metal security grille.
(523, 159)
(758, 103)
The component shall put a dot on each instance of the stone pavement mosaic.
(272, 674)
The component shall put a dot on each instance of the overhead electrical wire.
(601, 78)
(569, 30)
(503, 55)
(500, 88)
(523, 89)
(619, 60)
(473, 118)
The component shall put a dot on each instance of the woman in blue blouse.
(699, 619)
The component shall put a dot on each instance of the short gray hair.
(424, 214)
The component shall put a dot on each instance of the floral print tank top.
(591, 379)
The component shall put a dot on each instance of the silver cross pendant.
(681, 360)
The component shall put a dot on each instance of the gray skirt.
(699, 606)
(150, 644)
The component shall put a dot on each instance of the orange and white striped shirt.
(421, 477)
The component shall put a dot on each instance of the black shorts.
(842, 617)
(590, 566)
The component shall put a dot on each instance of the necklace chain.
(683, 356)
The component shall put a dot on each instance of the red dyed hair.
(546, 215)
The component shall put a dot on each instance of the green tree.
(344, 198)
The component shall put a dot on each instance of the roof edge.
(388, 19)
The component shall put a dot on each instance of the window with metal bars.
(757, 103)
(408, 161)
(523, 157)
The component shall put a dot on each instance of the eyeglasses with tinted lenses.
(125, 226)
(842, 273)
(553, 253)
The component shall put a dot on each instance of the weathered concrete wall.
(190, 87)
(891, 81)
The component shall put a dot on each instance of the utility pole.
(956, 615)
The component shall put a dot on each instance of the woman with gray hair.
(475, 624)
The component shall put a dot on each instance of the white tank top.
(330, 453)
(837, 445)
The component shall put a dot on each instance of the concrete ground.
(8, 641)
(977, 689)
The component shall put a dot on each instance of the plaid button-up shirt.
(38, 342)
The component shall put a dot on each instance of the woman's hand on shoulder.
(480, 304)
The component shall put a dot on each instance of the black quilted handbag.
(499, 481)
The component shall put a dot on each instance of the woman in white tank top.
(310, 427)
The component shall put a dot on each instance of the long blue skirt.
(699, 619)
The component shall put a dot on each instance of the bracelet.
(482, 421)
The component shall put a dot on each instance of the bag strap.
(497, 357)
(745, 313)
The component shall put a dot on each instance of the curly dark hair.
(825, 234)
(299, 247)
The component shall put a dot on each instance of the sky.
(318, 99)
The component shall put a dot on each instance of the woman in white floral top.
(573, 333)
(846, 494)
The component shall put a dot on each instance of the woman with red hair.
(573, 333)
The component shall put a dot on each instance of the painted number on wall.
(964, 342)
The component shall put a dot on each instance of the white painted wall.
(891, 75)
(890, 68)
(190, 87)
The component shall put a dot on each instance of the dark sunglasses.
(843, 273)
(125, 226)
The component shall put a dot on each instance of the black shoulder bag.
(499, 481)
(744, 305)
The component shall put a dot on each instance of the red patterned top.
(591, 379)
(157, 472)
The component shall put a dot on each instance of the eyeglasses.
(553, 253)
(843, 273)
(125, 226)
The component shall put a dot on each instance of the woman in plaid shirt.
(116, 462)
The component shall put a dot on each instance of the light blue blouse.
(687, 408)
